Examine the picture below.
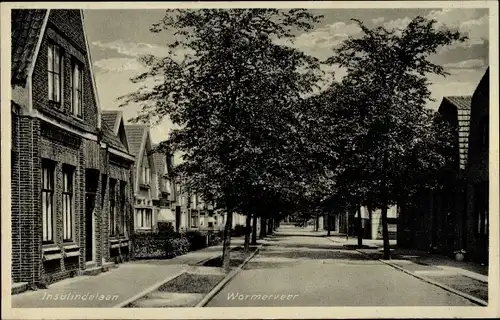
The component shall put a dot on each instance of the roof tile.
(463, 105)
(135, 134)
(109, 117)
(26, 27)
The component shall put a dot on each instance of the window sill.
(47, 247)
(78, 118)
(143, 229)
(51, 252)
(70, 246)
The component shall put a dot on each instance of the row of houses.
(455, 218)
(83, 181)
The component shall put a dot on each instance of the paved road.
(298, 268)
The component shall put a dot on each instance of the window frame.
(68, 173)
(481, 199)
(142, 222)
(112, 207)
(484, 133)
(123, 200)
(48, 189)
(54, 74)
(77, 89)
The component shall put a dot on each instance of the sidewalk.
(111, 288)
(466, 277)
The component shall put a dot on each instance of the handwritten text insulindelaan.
(78, 296)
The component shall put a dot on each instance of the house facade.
(61, 153)
(476, 230)
(144, 178)
(436, 218)
(117, 185)
(456, 216)
(166, 203)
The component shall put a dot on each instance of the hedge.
(159, 245)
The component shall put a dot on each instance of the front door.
(89, 227)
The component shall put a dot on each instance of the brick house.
(476, 230)
(117, 181)
(145, 180)
(457, 216)
(438, 220)
(61, 152)
(167, 205)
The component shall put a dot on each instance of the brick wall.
(477, 170)
(15, 201)
(25, 217)
(70, 38)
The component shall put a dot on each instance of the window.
(484, 133)
(47, 201)
(481, 207)
(145, 175)
(54, 72)
(67, 202)
(194, 220)
(143, 218)
(76, 89)
(123, 199)
(112, 207)
(167, 186)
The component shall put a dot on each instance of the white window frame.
(112, 207)
(48, 172)
(68, 203)
(144, 218)
(77, 89)
(55, 55)
(123, 208)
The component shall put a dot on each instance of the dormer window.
(76, 89)
(146, 175)
(55, 67)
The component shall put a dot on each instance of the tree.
(232, 97)
(388, 87)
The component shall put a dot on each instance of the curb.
(435, 283)
(224, 281)
(151, 288)
(199, 263)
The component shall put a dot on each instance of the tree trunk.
(262, 227)
(329, 222)
(347, 223)
(316, 225)
(254, 229)
(248, 225)
(226, 247)
(270, 226)
(360, 228)
(385, 233)
(370, 215)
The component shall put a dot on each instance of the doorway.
(89, 227)
(91, 183)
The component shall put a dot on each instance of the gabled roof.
(136, 134)
(160, 160)
(26, 29)
(112, 119)
(484, 84)
(111, 139)
(463, 106)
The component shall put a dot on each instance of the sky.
(118, 37)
